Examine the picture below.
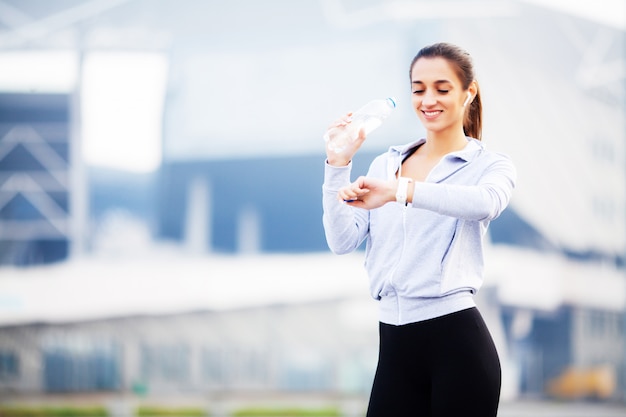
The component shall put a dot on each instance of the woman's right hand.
(343, 157)
(368, 193)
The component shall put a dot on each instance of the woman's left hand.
(368, 193)
(344, 157)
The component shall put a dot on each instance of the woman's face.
(438, 94)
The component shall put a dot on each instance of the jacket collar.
(397, 153)
(471, 150)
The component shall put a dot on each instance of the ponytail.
(473, 119)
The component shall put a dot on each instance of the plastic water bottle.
(368, 117)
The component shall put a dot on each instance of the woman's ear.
(472, 90)
(467, 100)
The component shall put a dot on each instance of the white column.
(248, 231)
(198, 215)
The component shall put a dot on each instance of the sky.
(611, 12)
(123, 110)
(129, 91)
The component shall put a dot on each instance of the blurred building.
(35, 224)
(247, 97)
(307, 347)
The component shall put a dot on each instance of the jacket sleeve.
(345, 227)
(484, 201)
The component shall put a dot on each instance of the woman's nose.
(428, 99)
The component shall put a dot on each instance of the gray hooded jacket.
(424, 260)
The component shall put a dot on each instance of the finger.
(360, 183)
(346, 194)
(362, 135)
(346, 198)
(343, 120)
(351, 195)
(356, 189)
(355, 196)
(355, 203)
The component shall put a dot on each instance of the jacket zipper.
(393, 273)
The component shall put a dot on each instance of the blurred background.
(161, 166)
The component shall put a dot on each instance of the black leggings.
(443, 367)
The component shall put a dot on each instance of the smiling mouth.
(432, 113)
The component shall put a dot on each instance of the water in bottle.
(368, 118)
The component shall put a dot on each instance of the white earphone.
(469, 97)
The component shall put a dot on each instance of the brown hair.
(464, 68)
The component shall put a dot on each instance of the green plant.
(286, 412)
(158, 411)
(27, 411)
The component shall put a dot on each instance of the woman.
(423, 209)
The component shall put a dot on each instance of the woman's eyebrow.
(436, 82)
